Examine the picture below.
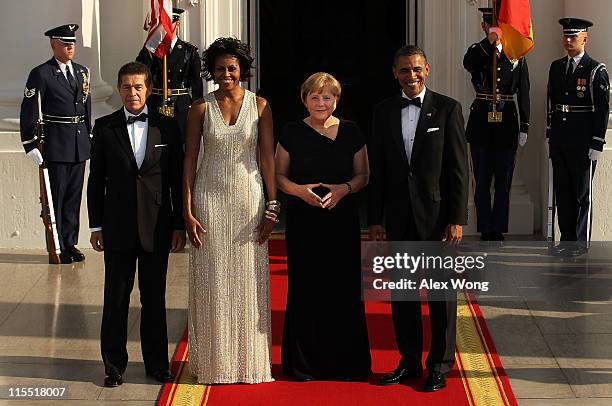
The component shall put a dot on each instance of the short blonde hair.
(317, 82)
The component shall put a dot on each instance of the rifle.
(47, 212)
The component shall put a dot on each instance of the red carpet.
(478, 377)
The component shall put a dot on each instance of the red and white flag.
(159, 25)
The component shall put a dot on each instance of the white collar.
(128, 114)
(576, 58)
(63, 65)
(420, 95)
(173, 42)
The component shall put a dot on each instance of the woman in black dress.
(320, 162)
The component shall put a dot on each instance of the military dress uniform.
(578, 110)
(493, 144)
(184, 75)
(66, 113)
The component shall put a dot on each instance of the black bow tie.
(404, 102)
(141, 117)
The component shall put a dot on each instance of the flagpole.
(494, 115)
(166, 109)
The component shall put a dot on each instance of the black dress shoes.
(568, 250)
(401, 374)
(112, 381)
(77, 255)
(435, 382)
(65, 257)
(497, 237)
(164, 376)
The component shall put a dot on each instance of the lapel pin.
(428, 114)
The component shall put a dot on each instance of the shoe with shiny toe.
(435, 381)
(556, 251)
(399, 375)
(65, 257)
(164, 376)
(575, 251)
(77, 255)
(112, 381)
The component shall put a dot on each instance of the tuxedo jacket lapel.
(427, 114)
(123, 137)
(396, 130)
(154, 138)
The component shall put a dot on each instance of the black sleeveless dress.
(325, 334)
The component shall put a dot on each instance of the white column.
(448, 29)
(27, 20)
(222, 18)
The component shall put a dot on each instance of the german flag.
(515, 22)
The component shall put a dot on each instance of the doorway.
(354, 40)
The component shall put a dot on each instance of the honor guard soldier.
(578, 109)
(58, 90)
(183, 74)
(495, 128)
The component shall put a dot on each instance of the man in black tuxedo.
(419, 185)
(63, 87)
(134, 199)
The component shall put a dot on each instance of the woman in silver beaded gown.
(228, 223)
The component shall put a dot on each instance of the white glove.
(522, 139)
(35, 156)
(594, 154)
(497, 31)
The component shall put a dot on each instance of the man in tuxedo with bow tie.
(134, 199)
(419, 186)
(63, 87)
(578, 111)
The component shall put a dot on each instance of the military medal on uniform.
(580, 87)
(85, 85)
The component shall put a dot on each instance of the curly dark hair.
(231, 46)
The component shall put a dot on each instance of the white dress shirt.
(138, 131)
(410, 119)
(64, 66)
